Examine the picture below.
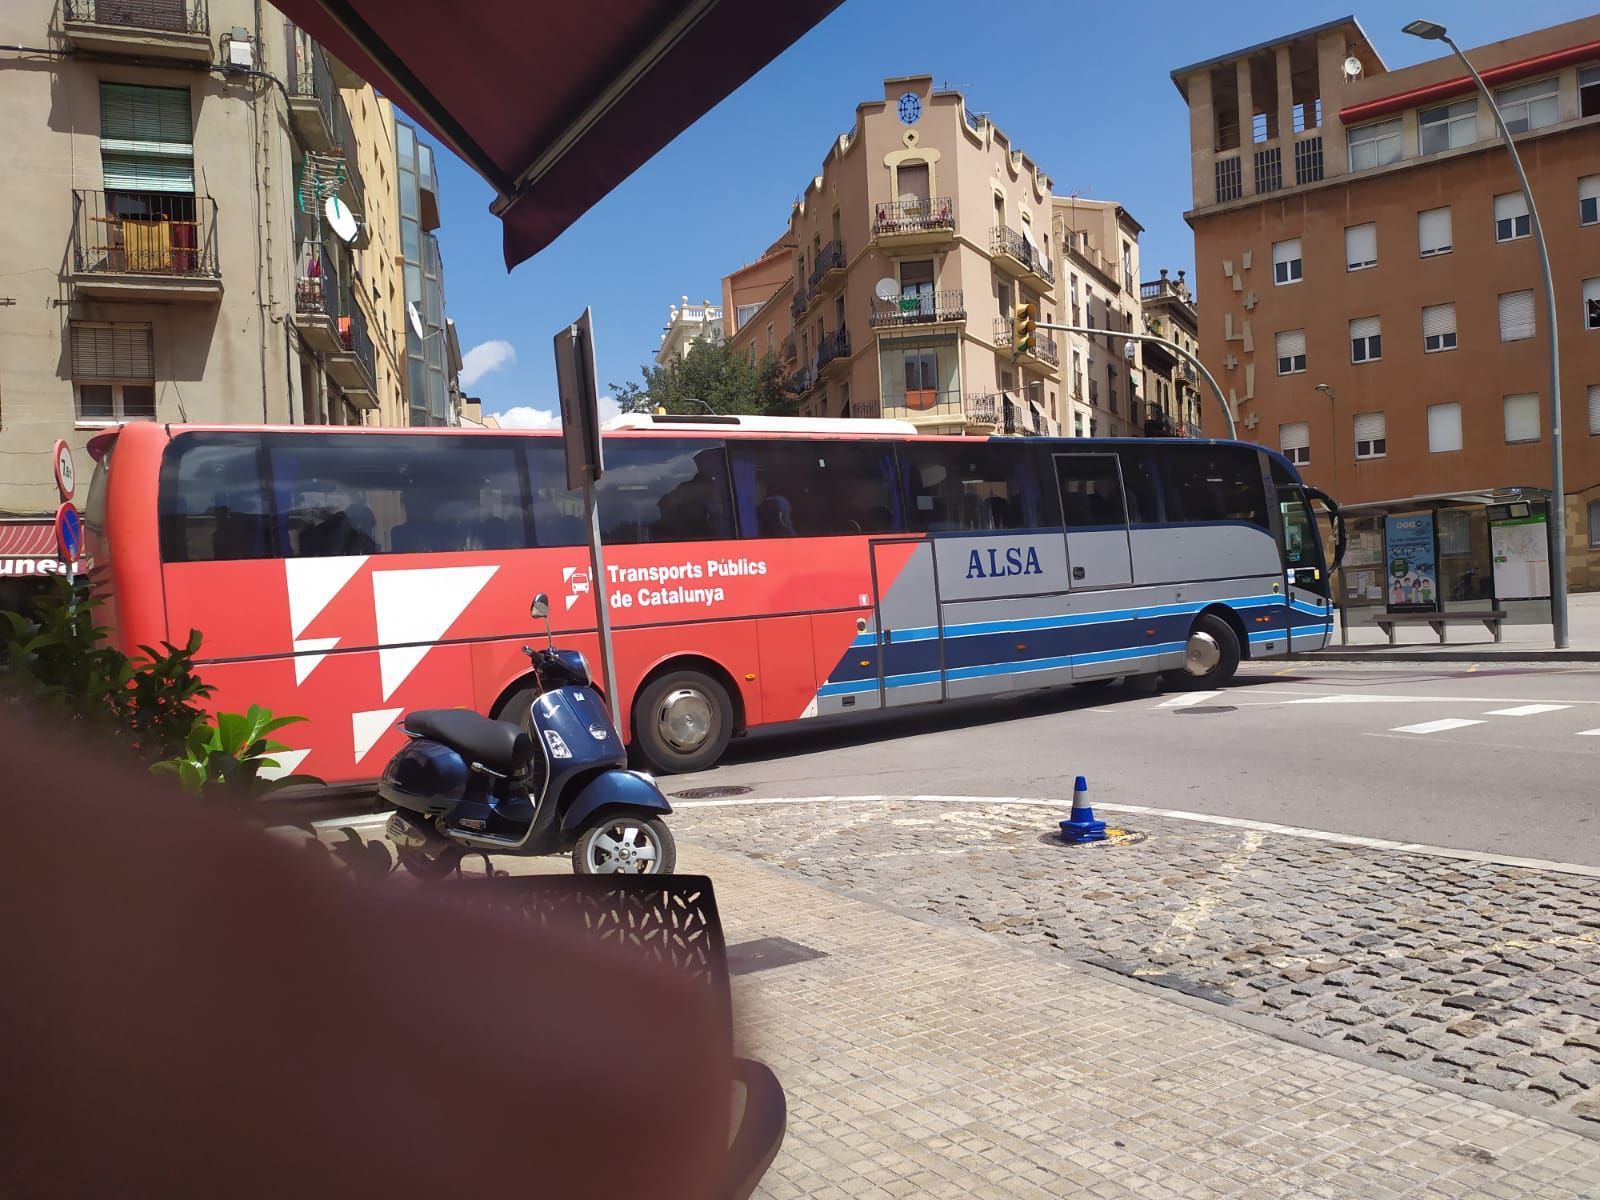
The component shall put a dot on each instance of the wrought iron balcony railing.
(316, 291)
(1044, 346)
(357, 340)
(829, 258)
(986, 408)
(919, 308)
(833, 345)
(802, 297)
(1005, 240)
(154, 235)
(913, 214)
(161, 16)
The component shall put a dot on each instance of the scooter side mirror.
(541, 607)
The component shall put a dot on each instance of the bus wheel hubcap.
(1202, 654)
(685, 719)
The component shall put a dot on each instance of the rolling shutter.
(1296, 435)
(1522, 417)
(1438, 319)
(1594, 408)
(1360, 246)
(1433, 231)
(1516, 316)
(1364, 327)
(1370, 427)
(1291, 343)
(146, 139)
(1509, 206)
(101, 350)
(1444, 428)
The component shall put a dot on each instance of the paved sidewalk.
(924, 1059)
(1474, 643)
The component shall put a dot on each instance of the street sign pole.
(580, 427)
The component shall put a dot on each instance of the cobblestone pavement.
(922, 1059)
(1472, 972)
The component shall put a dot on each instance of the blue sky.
(1083, 89)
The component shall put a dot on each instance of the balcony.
(1017, 255)
(353, 366)
(315, 109)
(1159, 424)
(832, 350)
(798, 305)
(316, 301)
(829, 267)
(1044, 346)
(987, 408)
(148, 246)
(924, 308)
(913, 221)
(786, 349)
(170, 29)
(801, 381)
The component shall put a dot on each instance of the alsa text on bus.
(1017, 560)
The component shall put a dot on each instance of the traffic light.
(1022, 323)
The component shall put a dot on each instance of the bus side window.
(1091, 492)
(977, 486)
(557, 510)
(1212, 483)
(212, 504)
(658, 489)
(1142, 479)
(815, 489)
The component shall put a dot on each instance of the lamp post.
(1434, 32)
(1172, 347)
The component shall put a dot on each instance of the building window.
(1594, 524)
(1589, 200)
(1444, 428)
(1447, 127)
(1229, 179)
(1591, 303)
(1438, 328)
(1529, 105)
(1516, 316)
(113, 372)
(743, 313)
(1433, 232)
(1510, 217)
(1589, 92)
(1287, 266)
(1522, 417)
(1291, 352)
(1360, 246)
(1294, 439)
(1308, 159)
(1366, 340)
(1594, 409)
(1375, 145)
(1077, 424)
(1269, 170)
(1372, 436)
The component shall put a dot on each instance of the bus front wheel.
(1210, 656)
(682, 722)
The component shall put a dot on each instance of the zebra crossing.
(1445, 724)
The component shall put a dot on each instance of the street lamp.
(1432, 31)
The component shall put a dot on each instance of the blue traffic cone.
(1082, 827)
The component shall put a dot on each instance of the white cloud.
(484, 358)
(527, 417)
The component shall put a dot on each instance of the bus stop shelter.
(554, 104)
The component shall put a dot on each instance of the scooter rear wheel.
(625, 845)
(433, 865)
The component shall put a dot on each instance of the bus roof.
(797, 425)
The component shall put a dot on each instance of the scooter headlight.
(558, 744)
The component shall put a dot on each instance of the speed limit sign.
(65, 479)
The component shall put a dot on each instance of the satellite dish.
(887, 289)
(1352, 67)
(414, 317)
(340, 219)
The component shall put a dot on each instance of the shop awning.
(28, 548)
(555, 104)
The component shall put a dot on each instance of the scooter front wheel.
(625, 845)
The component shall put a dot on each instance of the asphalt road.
(1502, 758)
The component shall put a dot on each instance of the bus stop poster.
(1519, 539)
(1408, 548)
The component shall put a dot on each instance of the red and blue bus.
(759, 570)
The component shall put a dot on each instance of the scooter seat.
(499, 745)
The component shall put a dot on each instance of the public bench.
(1441, 621)
(670, 920)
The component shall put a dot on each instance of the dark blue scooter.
(467, 784)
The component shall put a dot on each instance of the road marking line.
(1139, 810)
(1589, 733)
(1188, 698)
(1527, 710)
(1371, 697)
(1435, 726)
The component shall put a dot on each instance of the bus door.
(1308, 578)
(906, 602)
(1095, 518)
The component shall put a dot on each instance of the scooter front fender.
(631, 790)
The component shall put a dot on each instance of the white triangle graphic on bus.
(313, 582)
(288, 762)
(414, 608)
(368, 727)
(304, 662)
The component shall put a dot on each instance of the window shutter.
(1438, 319)
(1589, 187)
(1591, 291)
(1444, 428)
(1433, 230)
(1364, 327)
(1522, 417)
(1370, 427)
(1510, 205)
(107, 351)
(146, 139)
(1283, 252)
(1294, 436)
(1594, 408)
(1360, 246)
(1291, 342)
(1516, 316)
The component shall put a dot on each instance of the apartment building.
(1172, 401)
(687, 324)
(892, 289)
(203, 226)
(1377, 309)
(1099, 288)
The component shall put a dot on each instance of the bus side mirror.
(541, 607)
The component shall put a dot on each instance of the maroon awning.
(555, 103)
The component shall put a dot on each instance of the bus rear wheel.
(1210, 656)
(682, 722)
